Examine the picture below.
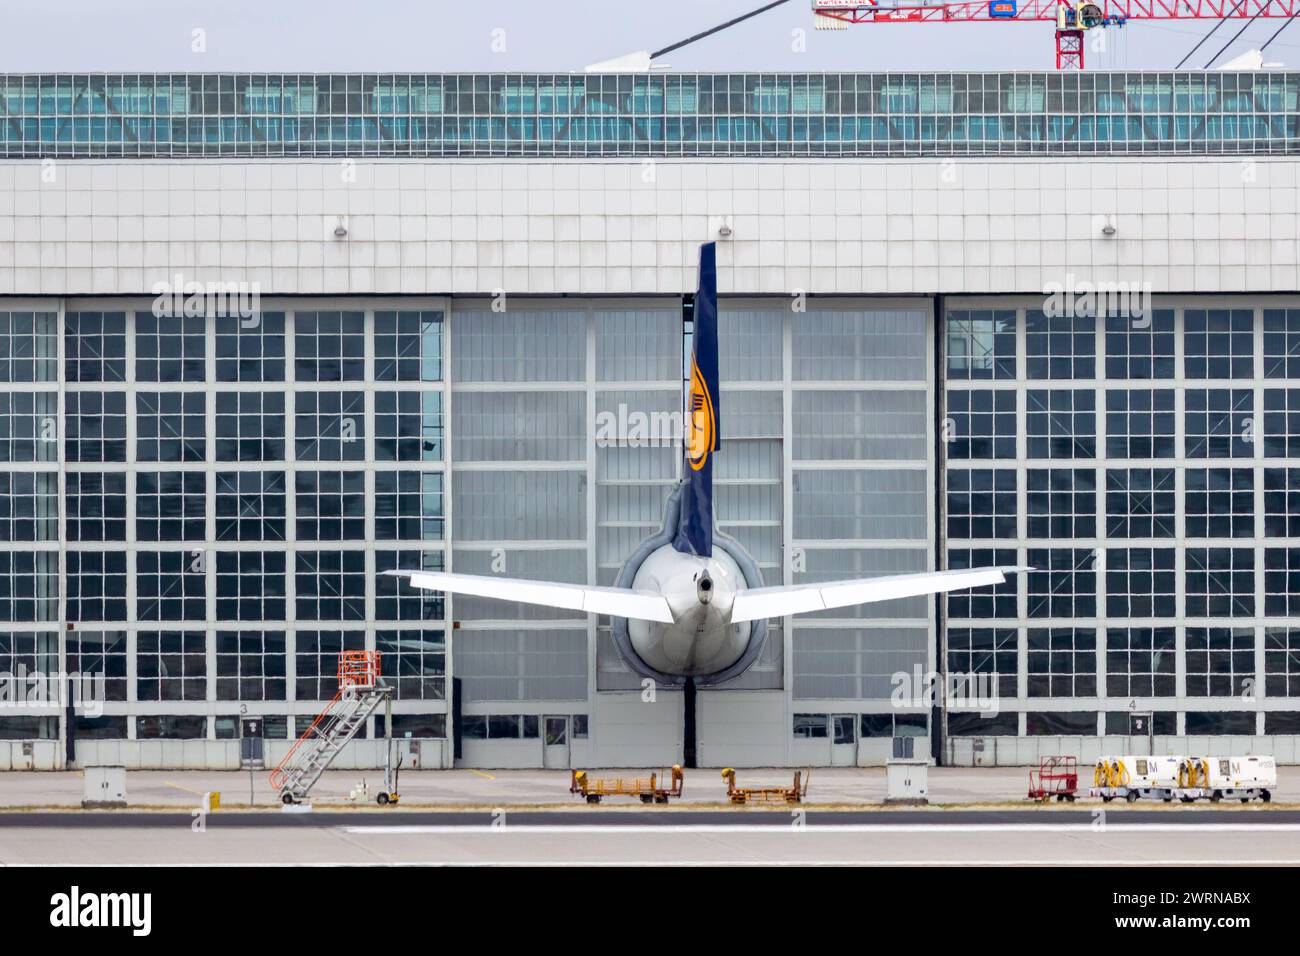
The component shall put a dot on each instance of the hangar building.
(466, 312)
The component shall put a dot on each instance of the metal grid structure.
(562, 461)
(1144, 467)
(689, 114)
(1157, 518)
(221, 568)
(228, 564)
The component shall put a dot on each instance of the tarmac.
(977, 817)
(1110, 839)
(480, 789)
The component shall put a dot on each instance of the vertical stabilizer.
(695, 520)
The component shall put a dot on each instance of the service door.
(844, 740)
(1139, 734)
(555, 743)
(252, 746)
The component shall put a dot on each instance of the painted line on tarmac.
(400, 830)
(197, 793)
(680, 864)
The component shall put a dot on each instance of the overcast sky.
(441, 35)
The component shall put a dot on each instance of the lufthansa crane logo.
(702, 426)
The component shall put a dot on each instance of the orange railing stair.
(361, 691)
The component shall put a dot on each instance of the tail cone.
(704, 588)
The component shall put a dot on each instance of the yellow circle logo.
(701, 427)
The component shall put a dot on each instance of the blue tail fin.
(695, 520)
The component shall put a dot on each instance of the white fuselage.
(700, 593)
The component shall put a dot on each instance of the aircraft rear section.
(749, 638)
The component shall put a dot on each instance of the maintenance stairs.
(361, 691)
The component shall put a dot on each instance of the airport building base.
(225, 755)
(526, 754)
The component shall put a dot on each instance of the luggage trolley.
(1057, 777)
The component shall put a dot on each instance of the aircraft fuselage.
(700, 593)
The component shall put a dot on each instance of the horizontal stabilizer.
(616, 602)
(761, 603)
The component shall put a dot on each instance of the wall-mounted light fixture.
(340, 230)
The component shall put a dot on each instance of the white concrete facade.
(632, 227)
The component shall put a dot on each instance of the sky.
(552, 35)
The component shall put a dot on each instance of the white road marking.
(735, 829)
(561, 864)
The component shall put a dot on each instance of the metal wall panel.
(522, 665)
(518, 345)
(519, 426)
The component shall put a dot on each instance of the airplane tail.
(695, 519)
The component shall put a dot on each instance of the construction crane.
(1073, 18)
